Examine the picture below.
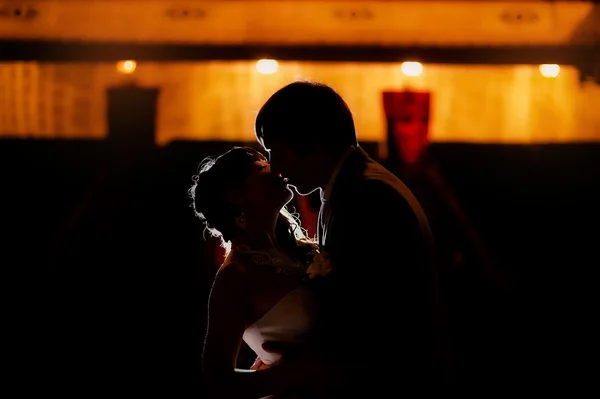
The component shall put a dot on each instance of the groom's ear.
(235, 196)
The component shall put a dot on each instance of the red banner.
(407, 115)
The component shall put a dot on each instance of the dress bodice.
(290, 320)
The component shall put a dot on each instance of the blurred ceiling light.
(412, 68)
(267, 67)
(126, 67)
(549, 70)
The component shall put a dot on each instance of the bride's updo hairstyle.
(211, 204)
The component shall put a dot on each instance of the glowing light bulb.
(549, 70)
(126, 67)
(267, 67)
(412, 68)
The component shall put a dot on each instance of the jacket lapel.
(320, 229)
(352, 169)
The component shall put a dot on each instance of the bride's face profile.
(238, 190)
(265, 192)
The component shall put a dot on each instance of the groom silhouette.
(380, 329)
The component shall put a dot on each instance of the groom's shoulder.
(377, 180)
(372, 190)
(366, 180)
(378, 186)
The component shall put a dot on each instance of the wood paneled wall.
(219, 100)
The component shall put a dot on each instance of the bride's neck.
(256, 239)
(259, 232)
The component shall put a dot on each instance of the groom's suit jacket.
(381, 319)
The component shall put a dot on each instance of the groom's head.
(305, 126)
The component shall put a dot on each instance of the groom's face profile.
(291, 165)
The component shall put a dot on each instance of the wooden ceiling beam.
(54, 51)
(307, 22)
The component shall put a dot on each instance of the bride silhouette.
(259, 294)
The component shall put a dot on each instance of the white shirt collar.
(327, 193)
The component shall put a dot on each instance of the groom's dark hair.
(306, 116)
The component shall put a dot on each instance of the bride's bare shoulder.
(231, 279)
(234, 268)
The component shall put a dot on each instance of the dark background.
(114, 270)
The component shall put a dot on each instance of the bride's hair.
(210, 203)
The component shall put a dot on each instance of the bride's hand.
(306, 361)
(259, 365)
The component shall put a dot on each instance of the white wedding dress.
(290, 320)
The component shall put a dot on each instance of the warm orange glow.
(126, 67)
(549, 70)
(470, 103)
(267, 67)
(412, 68)
(465, 23)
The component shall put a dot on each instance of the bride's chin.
(288, 199)
(290, 193)
(285, 199)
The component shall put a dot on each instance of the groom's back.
(381, 310)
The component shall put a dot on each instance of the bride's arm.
(227, 320)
